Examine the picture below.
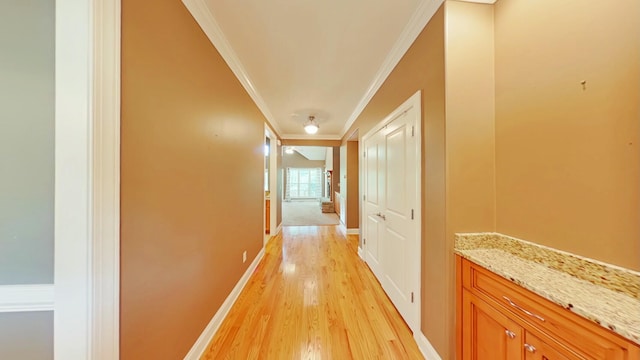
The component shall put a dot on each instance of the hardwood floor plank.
(313, 298)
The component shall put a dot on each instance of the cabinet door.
(537, 349)
(487, 334)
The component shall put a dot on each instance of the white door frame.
(87, 179)
(415, 101)
(273, 182)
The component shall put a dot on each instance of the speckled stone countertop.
(605, 294)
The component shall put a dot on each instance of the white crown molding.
(309, 137)
(205, 338)
(19, 298)
(418, 21)
(427, 350)
(203, 16)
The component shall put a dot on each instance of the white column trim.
(21, 298)
(105, 307)
(73, 211)
(87, 120)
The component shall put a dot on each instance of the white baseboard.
(278, 229)
(425, 346)
(355, 231)
(205, 338)
(18, 298)
(361, 253)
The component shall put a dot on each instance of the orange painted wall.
(353, 186)
(470, 132)
(192, 180)
(567, 157)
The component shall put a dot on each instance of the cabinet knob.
(510, 334)
(530, 348)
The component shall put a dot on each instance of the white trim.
(73, 168)
(202, 14)
(418, 21)
(342, 228)
(105, 307)
(355, 231)
(19, 298)
(360, 253)
(278, 229)
(87, 120)
(205, 338)
(427, 350)
(273, 180)
(310, 137)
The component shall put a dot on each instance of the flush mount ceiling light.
(289, 150)
(311, 126)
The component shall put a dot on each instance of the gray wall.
(26, 168)
(26, 141)
(26, 336)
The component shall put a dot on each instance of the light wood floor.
(313, 298)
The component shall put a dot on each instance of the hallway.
(311, 297)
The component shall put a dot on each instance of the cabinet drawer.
(587, 339)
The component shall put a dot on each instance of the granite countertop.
(605, 294)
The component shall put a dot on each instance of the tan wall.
(335, 181)
(192, 184)
(353, 186)
(422, 68)
(470, 133)
(567, 158)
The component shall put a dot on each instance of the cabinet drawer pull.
(510, 334)
(522, 309)
(530, 348)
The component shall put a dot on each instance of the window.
(304, 183)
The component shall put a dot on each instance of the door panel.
(395, 253)
(537, 349)
(396, 191)
(488, 334)
(391, 194)
(374, 185)
(399, 230)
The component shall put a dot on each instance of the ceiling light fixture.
(311, 127)
(289, 150)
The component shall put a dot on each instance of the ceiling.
(312, 152)
(323, 58)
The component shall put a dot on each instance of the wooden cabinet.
(489, 334)
(500, 320)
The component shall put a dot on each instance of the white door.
(373, 201)
(392, 207)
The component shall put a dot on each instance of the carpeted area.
(305, 213)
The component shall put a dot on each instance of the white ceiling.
(312, 152)
(304, 57)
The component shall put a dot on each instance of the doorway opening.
(309, 185)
